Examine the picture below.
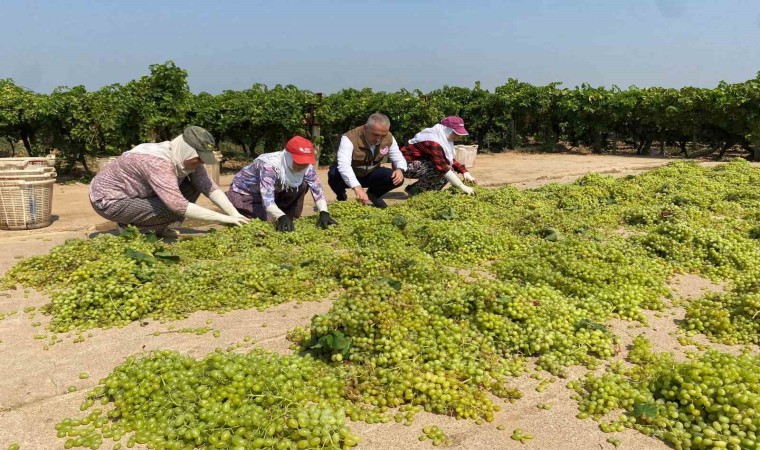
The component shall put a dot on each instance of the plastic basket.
(36, 174)
(214, 169)
(465, 154)
(26, 163)
(25, 205)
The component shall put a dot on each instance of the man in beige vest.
(360, 154)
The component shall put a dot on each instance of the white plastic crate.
(215, 169)
(25, 205)
(26, 163)
(37, 173)
(465, 154)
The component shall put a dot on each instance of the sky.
(325, 46)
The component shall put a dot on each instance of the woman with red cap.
(275, 185)
(430, 158)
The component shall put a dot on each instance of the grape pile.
(710, 401)
(258, 400)
(439, 301)
(732, 317)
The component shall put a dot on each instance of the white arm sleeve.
(223, 202)
(194, 211)
(397, 158)
(454, 180)
(321, 205)
(345, 151)
(274, 211)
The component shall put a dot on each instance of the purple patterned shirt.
(143, 176)
(260, 178)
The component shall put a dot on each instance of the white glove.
(469, 178)
(221, 200)
(197, 212)
(454, 180)
(274, 211)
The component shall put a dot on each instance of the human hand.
(325, 220)
(285, 224)
(468, 190)
(237, 220)
(469, 179)
(397, 177)
(361, 195)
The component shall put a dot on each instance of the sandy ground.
(34, 382)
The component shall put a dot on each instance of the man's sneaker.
(377, 202)
(341, 197)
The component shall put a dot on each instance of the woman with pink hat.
(275, 185)
(430, 158)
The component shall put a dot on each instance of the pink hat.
(301, 149)
(455, 123)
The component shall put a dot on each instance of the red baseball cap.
(456, 123)
(301, 149)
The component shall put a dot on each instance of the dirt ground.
(34, 381)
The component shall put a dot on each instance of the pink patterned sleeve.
(166, 186)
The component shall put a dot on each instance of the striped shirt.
(143, 176)
(260, 179)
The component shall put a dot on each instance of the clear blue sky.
(386, 45)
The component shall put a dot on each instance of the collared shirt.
(345, 151)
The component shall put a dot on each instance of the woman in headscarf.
(275, 185)
(155, 185)
(430, 158)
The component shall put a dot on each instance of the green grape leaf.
(129, 233)
(166, 256)
(139, 256)
(586, 323)
(143, 275)
(400, 222)
(334, 342)
(447, 214)
(395, 284)
(339, 340)
(553, 237)
(408, 263)
(151, 237)
(645, 409)
(327, 341)
(550, 234)
(582, 229)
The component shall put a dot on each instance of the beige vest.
(362, 160)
